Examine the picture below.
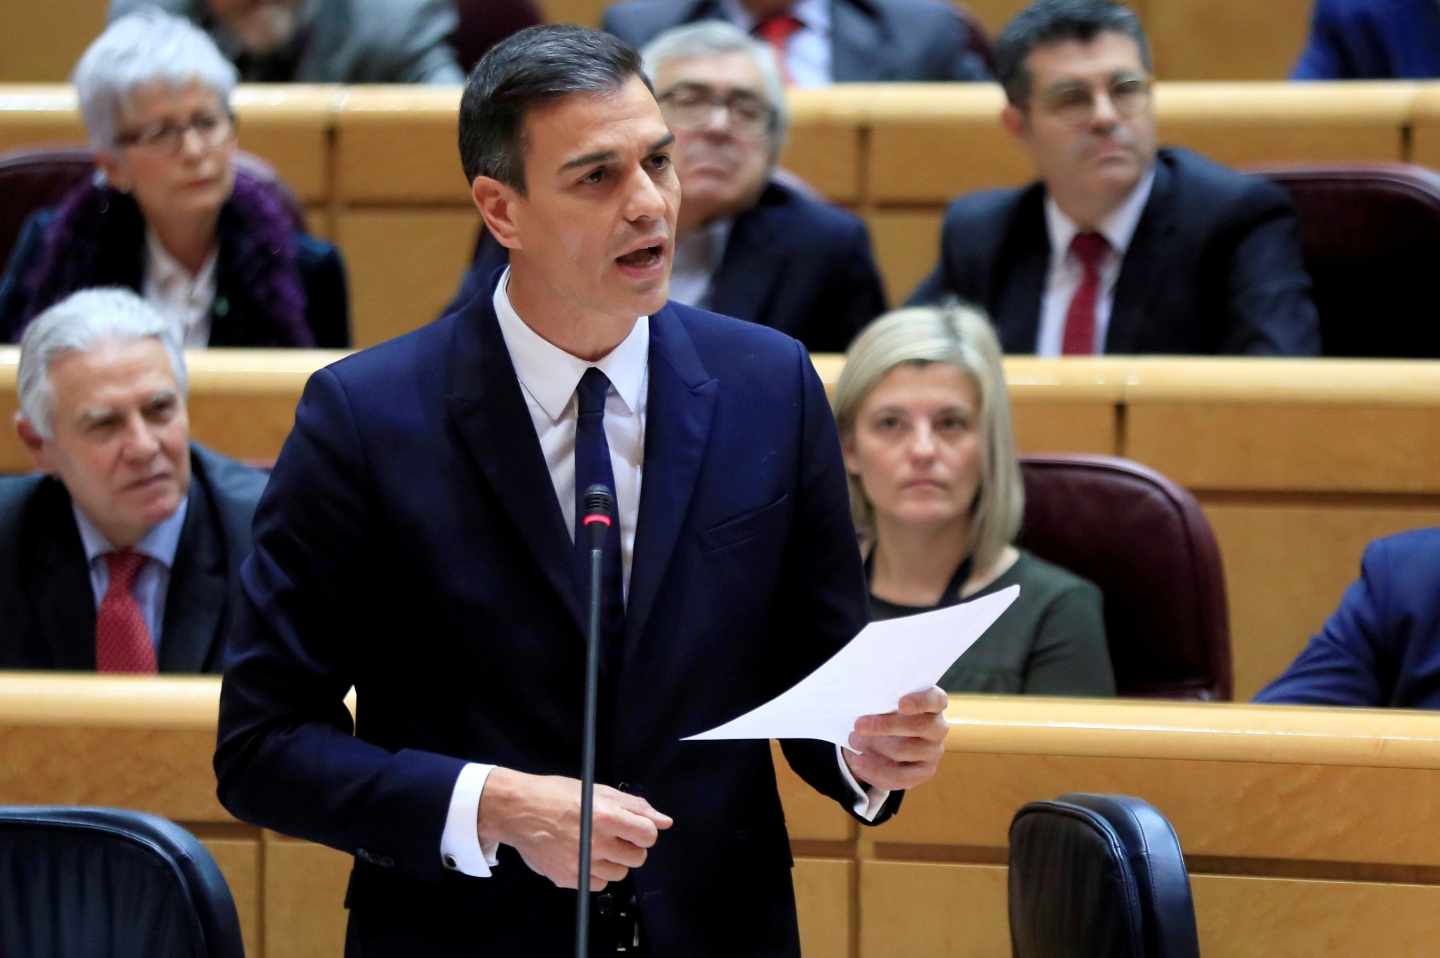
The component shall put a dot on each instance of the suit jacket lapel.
(195, 598)
(745, 280)
(679, 408)
(1021, 289)
(488, 409)
(859, 51)
(1143, 268)
(64, 600)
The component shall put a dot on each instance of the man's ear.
(1014, 122)
(498, 204)
(113, 169)
(34, 444)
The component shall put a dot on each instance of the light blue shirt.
(807, 54)
(152, 585)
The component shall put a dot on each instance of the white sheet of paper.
(884, 661)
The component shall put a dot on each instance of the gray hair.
(712, 37)
(78, 323)
(143, 48)
(960, 336)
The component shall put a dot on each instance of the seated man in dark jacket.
(748, 244)
(1118, 248)
(124, 556)
(1381, 647)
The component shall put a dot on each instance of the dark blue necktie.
(592, 465)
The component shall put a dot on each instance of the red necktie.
(1089, 249)
(122, 641)
(777, 31)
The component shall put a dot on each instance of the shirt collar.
(160, 543)
(704, 248)
(815, 14)
(167, 271)
(1118, 228)
(550, 375)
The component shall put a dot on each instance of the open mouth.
(642, 258)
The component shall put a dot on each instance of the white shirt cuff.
(868, 801)
(460, 848)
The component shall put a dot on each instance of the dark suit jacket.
(410, 543)
(234, 317)
(48, 605)
(1381, 647)
(1371, 40)
(792, 263)
(914, 41)
(1214, 266)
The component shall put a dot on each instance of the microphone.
(599, 506)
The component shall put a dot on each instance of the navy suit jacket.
(1214, 266)
(1381, 647)
(1371, 40)
(792, 263)
(47, 604)
(910, 41)
(411, 544)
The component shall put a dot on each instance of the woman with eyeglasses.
(168, 213)
(937, 497)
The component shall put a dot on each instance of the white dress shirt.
(807, 53)
(178, 296)
(1065, 272)
(697, 257)
(152, 583)
(549, 377)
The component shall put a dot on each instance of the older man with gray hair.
(122, 556)
(751, 241)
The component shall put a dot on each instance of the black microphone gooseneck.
(599, 514)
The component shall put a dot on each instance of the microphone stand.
(598, 510)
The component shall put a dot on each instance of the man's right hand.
(539, 816)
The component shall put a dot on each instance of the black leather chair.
(1098, 875)
(1368, 233)
(110, 883)
(1146, 544)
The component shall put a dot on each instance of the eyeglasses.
(211, 129)
(1075, 103)
(691, 106)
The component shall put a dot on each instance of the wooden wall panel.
(1226, 39)
(42, 41)
(823, 149)
(907, 247)
(930, 142)
(404, 266)
(304, 895)
(397, 146)
(824, 903)
(809, 816)
(584, 12)
(1286, 567)
(239, 861)
(930, 910)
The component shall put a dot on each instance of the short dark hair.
(1051, 21)
(533, 66)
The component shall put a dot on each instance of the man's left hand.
(900, 749)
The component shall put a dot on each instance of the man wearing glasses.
(750, 244)
(1119, 247)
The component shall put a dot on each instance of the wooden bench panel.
(925, 909)
(304, 896)
(907, 246)
(824, 905)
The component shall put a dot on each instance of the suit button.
(623, 787)
(450, 861)
(385, 861)
(363, 855)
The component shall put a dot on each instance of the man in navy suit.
(747, 244)
(416, 542)
(828, 41)
(124, 555)
(1117, 248)
(1371, 40)
(1381, 647)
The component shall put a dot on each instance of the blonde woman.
(937, 497)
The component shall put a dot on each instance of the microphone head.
(599, 501)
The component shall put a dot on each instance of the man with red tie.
(819, 42)
(124, 554)
(1118, 247)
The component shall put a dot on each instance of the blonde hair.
(959, 336)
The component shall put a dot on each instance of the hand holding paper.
(883, 663)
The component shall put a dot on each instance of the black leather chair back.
(1098, 875)
(110, 883)
(1368, 233)
(1146, 544)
